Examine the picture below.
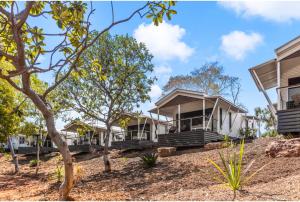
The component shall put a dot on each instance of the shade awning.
(266, 74)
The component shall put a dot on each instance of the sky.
(239, 35)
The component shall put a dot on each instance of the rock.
(166, 151)
(214, 145)
(284, 148)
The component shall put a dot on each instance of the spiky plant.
(149, 159)
(232, 172)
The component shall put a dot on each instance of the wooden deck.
(189, 139)
(45, 150)
(132, 144)
(289, 121)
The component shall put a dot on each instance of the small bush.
(149, 159)
(33, 163)
(226, 141)
(59, 170)
(79, 173)
(59, 173)
(270, 133)
(7, 156)
(231, 170)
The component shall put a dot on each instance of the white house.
(282, 73)
(189, 110)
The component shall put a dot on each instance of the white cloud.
(155, 91)
(278, 11)
(164, 41)
(163, 69)
(237, 43)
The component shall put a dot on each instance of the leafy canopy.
(112, 80)
(209, 78)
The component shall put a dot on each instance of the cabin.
(195, 118)
(140, 132)
(282, 74)
(94, 133)
(28, 144)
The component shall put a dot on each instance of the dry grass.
(186, 176)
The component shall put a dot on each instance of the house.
(140, 131)
(94, 133)
(28, 144)
(195, 118)
(252, 124)
(282, 73)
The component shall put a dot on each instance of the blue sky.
(237, 34)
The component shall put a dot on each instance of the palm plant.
(149, 159)
(232, 171)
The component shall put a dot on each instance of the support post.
(218, 120)
(179, 118)
(138, 135)
(279, 104)
(270, 106)
(203, 114)
(212, 113)
(144, 127)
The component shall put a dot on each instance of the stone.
(214, 145)
(284, 148)
(166, 151)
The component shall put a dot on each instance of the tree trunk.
(63, 148)
(107, 167)
(37, 153)
(14, 156)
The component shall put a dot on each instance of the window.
(230, 121)
(221, 117)
(294, 81)
(22, 140)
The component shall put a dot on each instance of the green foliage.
(7, 156)
(159, 9)
(266, 117)
(119, 71)
(59, 170)
(226, 141)
(33, 163)
(10, 113)
(270, 133)
(209, 78)
(248, 132)
(149, 159)
(59, 173)
(232, 173)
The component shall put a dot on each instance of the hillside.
(185, 176)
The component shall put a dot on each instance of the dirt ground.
(185, 176)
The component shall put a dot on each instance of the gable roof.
(185, 96)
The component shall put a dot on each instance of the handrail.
(289, 86)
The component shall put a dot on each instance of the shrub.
(226, 141)
(270, 133)
(59, 173)
(149, 159)
(59, 170)
(231, 170)
(33, 163)
(79, 173)
(7, 156)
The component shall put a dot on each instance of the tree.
(210, 79)
(23, 44)
(10, 116)
(111, 82)
(265, 117)
(35, 127)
